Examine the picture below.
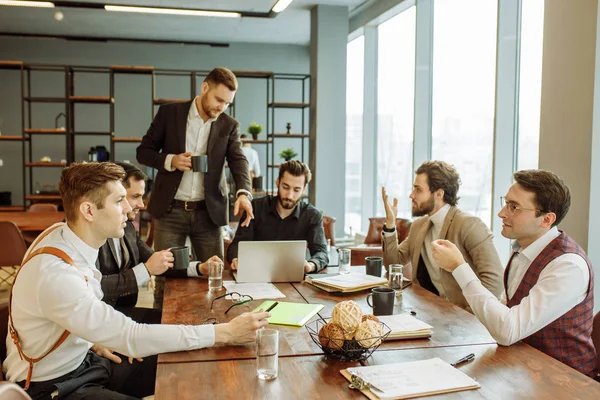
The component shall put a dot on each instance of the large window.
(464, 67)
(354, 132)
(530, 83)
(395, 109)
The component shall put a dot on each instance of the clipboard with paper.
(409, 380)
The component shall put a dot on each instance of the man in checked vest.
(549, 281)
(60, 332)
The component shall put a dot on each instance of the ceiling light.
(22, 3)
(281, 5)
(171, 11)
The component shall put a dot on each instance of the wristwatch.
(198, 268)
(385, 229)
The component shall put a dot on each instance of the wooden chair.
(329, 228)
(596, 336)
(43, 207)
(358, 254)
(14, 249)
(376, 226)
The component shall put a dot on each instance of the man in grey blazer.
(434, 199)
(192, 204)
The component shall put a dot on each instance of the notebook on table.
(405, 326)
(345, 283)
(292, 314)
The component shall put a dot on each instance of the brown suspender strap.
(13, 333)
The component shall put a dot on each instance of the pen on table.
(272, 306)
(463, 360)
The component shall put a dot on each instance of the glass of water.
(344, 260)
(395, 278)
(267, 352)
(215, 275)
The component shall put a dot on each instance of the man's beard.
(425, 208)
(131, 215)
(212, 113)
(288, 204)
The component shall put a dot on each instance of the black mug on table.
(383, 300)
(200, 163)
(181, 256)
(373, 266)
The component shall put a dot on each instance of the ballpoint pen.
(463, 360)
(272, 306)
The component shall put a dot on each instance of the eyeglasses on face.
(512, 208)
(238, 300)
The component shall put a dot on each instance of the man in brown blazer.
(434, 199)
(186, 203)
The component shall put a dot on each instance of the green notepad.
(293, 314)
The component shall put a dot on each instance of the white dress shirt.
(437, 221)
(141, 272)
(562, 284)
(196, 142)
(50, 296)
(253, 160)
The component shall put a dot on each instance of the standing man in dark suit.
(128, 263)
(194, 204)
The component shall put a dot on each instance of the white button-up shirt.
(562, 284)
(50, 296)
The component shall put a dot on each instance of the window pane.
(395, 109)
(530, 83)
(354, 129)
(464, 69)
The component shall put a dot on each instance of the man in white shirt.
(434, 198)
(51, 296)
(548, 300)
(252, 157)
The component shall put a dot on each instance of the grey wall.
(133, 94)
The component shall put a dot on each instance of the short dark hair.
(87, 181)
(131, 171)
(295, 168)
(551, 193)
(441, 175)
(222, 76)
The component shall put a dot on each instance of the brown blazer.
(166, 135)
(469, 234)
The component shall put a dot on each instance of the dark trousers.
(175, 226)
(142, 315)
(99, 378)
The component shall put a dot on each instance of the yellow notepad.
(293, 314)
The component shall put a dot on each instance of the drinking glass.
(395, 278)
(344, 261)
(215, 275)
(267, 352)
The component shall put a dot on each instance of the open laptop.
(277, 261)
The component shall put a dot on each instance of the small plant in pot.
(254, 129)
(288, 154)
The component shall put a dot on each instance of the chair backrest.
(376, 226)
(596, 335)
(329, 228)
(13, 244)
(43, 207)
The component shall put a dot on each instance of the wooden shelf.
(160, 102)
(126, 140)
(46, 99)
(7, 64)
(43, 197)
(132, 69)
(92, 99)
(289, 105)
(93, 133)
(289, 135)
(258, 141)
(12, 208)
(45, 164)
(56, 131)
(15, 138)
(253, 74)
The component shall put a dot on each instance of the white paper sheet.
(351, 280)
(403, 323)
(256, 290)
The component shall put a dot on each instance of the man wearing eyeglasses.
(434, 198)
(548, 300)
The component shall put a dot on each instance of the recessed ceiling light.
(172, 11)
(281, 5)
(22, 3)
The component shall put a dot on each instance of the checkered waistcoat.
(568, 338)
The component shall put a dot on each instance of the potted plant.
(288, 154)
(254, 129)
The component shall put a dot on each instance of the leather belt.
(189, 205)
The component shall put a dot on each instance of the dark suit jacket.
(119, 285)
(166, 135)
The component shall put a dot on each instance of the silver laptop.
(278, 261)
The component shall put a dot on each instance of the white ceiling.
(292, 26)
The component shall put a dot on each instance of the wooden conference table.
(226, 372)
(32, 221)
